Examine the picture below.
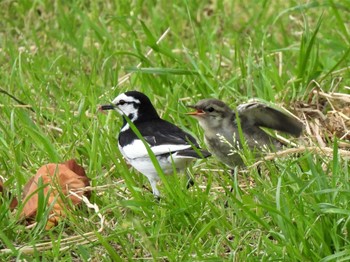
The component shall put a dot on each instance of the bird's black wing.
(258, 114)
(161, 132)
(162, 137)
(169, 134)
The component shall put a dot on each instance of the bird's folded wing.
(138, 150)
(166, 133)
(257, 114)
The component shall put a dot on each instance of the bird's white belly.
(143, 163)
(167, 164)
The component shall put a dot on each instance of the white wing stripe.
(137, 149)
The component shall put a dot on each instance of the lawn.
(60, 60)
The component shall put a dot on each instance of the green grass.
(65, 59)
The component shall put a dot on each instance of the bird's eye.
(121, 102)
(210, 109)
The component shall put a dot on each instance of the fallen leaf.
(1, 186)
(57, 181)
(3, 192)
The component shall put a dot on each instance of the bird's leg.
(190, 181)
(259, 170)
(232, 174)
(155, 190)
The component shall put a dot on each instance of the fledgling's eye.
(121, 102)
(210, 109)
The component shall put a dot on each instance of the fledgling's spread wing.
(258, 114)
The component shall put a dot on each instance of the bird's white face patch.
(127, 105)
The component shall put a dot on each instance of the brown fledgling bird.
(221, 133)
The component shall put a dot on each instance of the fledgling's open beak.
(106, 107)
(198, 112)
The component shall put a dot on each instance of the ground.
(60, 61)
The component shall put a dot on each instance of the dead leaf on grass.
(57, 181)
(5, 194)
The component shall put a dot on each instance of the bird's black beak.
(106, 107)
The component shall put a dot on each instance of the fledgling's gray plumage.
(219, 123)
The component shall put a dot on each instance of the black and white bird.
(221, 133)
(173, 148)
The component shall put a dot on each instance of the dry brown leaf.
(14, 201)
(1, 186)
(58, 180)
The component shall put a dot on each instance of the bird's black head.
(133, 104)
